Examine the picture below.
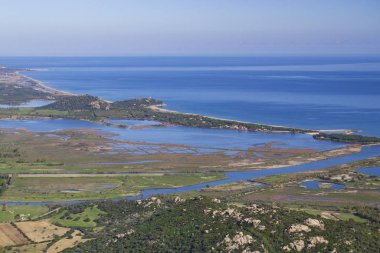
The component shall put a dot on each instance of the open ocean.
(306, 92)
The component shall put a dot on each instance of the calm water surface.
(373, 171)
(314, 184)
(197, 137)
(308, 92)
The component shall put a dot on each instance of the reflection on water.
(134, 123)
(32, 103)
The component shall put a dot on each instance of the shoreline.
(231, 177)
(42, 87)
(158, 108)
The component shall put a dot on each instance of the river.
(231, 177)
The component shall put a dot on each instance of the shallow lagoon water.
(195, 137)
(314, 184)
(32, 103)
(232, 177)
(307, 92)
(246, 175)
(373, 171)
(134, 123)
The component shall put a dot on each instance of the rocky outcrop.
(298, 228)
(315, 223)
(252, 221)
(178, 200)
(215, 200)
(313, 241)
(297, 245)
(239, 241)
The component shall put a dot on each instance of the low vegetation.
(63, 187)
(75, 216)
(12, 96)
(350, 138)
(21, 212)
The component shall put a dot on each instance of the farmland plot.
(9, 236)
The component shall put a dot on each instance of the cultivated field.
(40, 231)
(9, 236)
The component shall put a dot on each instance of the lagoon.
(335, 92)
(373, 171)
(223, 139)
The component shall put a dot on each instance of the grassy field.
(83, 219)
(96, 187)
(336, 215)
(10, 213)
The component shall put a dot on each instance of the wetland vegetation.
(269, 214)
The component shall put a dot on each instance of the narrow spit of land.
(17, 88)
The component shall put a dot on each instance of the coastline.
(158, 108)
(41, 86)
(241, 125)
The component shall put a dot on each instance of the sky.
(188, 27)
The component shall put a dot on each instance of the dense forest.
(72, 103)
(209, 225)
(347, 138)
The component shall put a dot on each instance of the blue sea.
(308, 92)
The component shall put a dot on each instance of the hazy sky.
(188, 27)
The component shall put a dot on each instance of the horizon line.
(198, 55)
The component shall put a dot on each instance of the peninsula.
(56, 186)
(88, 107)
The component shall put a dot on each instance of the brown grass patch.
(65, 243)
(9, 236)
(40, 231)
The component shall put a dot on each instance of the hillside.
(210, 225)
(78, 103)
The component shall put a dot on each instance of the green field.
(76, 187)
(84, 219)
(10, 213)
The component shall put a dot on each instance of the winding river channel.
(305, 92)
(231, 177)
